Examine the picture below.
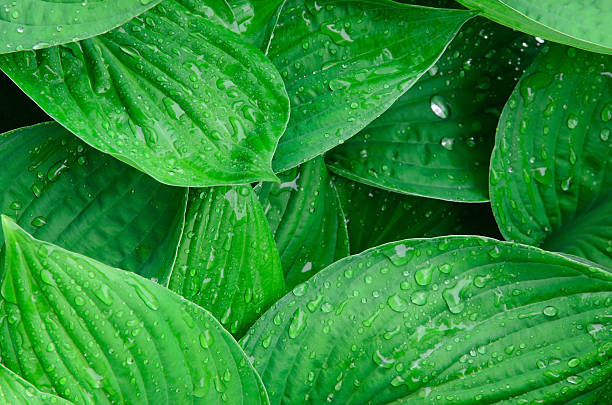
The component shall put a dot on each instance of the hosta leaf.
(436, 140)
(35, 24)
(345, 62)
(551, 183)
(99, 335)
(227, 261)
(20, 111)
(579, 23)
(171, 92)
(65, 192)
(14, 390)
(376, 216)
(457, 320)
(305, 216)
(256, 19)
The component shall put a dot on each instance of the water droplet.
(298, 323)
(447, 143)
(206, 339)
(419, 298)
(604, 135)
(606, 113)
(397, 303)
(439, 106)
(382, 361)
(39, 221)
(424, 275)
(572, 121)
(573, 362)
(550, 311)
(452, 296)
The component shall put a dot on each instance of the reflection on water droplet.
(39, 221)
(447, 143)
(298, 323)
(550, 311)
(439, 106)
(572, 121)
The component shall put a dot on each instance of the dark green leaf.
(436, 140)
(67, 193)
(14, 390)
(256, 19)
(551, 183)
(227, 260)
(94, 334)
(457, 320)
(581, 23)
(345, 62)
(36, 24)
(305, 216)
(376, 216)
(171, 93)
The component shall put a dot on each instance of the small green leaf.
(305, 216)
(149, 94)
(580, 23)
(550, 180)
(14, 390)
(227, 260)
(94, 334)
(345, 62)
(436, 140)
(67, 193)
(257, 19)
(376, 216)
(36, 24)
(452, 320)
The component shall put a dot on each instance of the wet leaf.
(14, 390)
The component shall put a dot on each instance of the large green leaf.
(227, 261)
(457, 320)
(305, 216)
(436, 140)
(172, 92)
(345, 62)
(551, 183)
(256, 19)
(36, 24)
(580, 23)
(94, 334)
(14, 390)
(376, 216)
(65, 192)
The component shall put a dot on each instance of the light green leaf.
(257, 19)
(436, 140)
(580, 23)
(305, 216)
(227, 261)
(36, 24)
(67, 193)
(345, 62)
(376, 216)
(94, 334)
(457, 320)
(148, 94)
(551, 183)
(14, 390)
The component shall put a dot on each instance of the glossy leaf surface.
(256, 20)
(458, 320)
(172, 93)
(36, 24)
(436, 140)
(14, 390)
(551, 183)
(305, 216)
(94, 334)
(227, 260)
(65, 192)
(345, 62)
(579, 23)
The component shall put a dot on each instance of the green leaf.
(36, 24)
(94, 334)
(457, 320)
(376, 216)
(227, 261)
(580, 23)
(148, 94)
(14, 390)
(257, 19)
(305, 216)
(551, 183)
(436, 140)
(67, 193)
(345, 62)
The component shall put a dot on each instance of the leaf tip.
(8, 224)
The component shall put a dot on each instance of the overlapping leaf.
(436, 140)
(345, 62)
(172, 92)
(94, 334)
(256, 20)
(67, 193)
(376, 216)
(36, 24)
(14, 390)
(459, 320)
(550, 173)
(305, 216)
(580, 23)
